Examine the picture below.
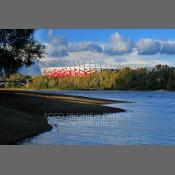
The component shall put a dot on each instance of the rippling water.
(150, 119)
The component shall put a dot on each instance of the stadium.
(59, 69)
(67, 71)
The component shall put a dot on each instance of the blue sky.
(102, 35)
(147, 47)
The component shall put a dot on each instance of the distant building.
(51, 69)
(68, 71)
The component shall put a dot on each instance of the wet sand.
(23, 114)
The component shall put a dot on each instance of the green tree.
(18, 47)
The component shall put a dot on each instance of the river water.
(150, 119)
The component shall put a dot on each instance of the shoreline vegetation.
(161, 77)
(24, 114)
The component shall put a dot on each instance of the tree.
(18, 47)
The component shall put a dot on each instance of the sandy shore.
(23, 114)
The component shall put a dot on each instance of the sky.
(107, 46)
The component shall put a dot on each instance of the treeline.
(161, 77)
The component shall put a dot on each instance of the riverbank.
(23, 114)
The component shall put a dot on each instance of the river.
(150, 119)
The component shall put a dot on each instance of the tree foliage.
(18, 47)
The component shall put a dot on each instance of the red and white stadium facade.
(60, 72)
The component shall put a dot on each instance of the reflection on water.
(150, 119)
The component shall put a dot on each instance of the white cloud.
(57, 46)
(85, 46)
(119, 50)
(148, 46)
(168, 47)
(120, 44)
